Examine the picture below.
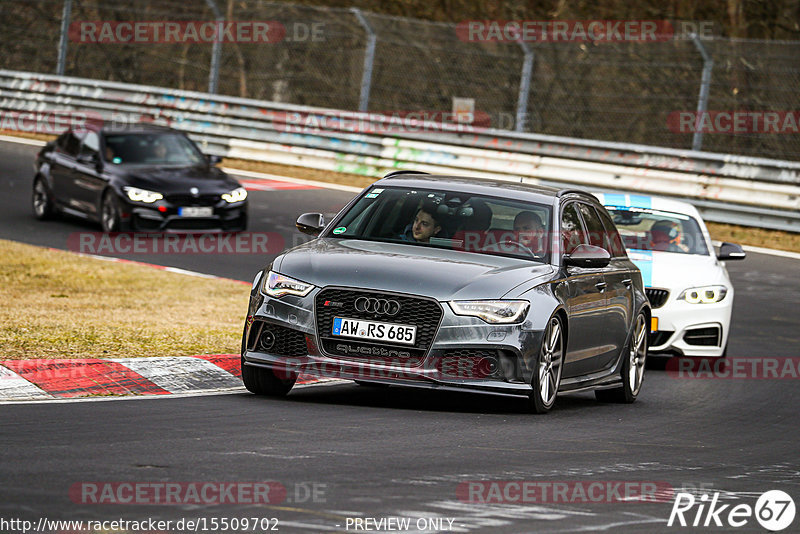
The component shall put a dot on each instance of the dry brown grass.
(755, 236)
(57, 304)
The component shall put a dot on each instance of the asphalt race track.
(343, 451)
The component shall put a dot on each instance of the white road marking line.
(22, 140)
(265, 176)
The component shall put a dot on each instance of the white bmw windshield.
(650, 229)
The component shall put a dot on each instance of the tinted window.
(69, 144)
(152, 149)
(91, 143)
(572, 233)
(593, 225)
(612, 239)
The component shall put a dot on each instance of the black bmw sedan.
(138, 177)
(454, 283)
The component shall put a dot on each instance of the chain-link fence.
(346, 59)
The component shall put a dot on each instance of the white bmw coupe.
(686, 282)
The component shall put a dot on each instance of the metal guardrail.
(726, 188)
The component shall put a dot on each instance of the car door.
(585, 301)
(87, 177)
(62, 164)
(618, 278)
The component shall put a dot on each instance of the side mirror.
(587, 256)
(310, 223)
(213, 160)
(731, 251)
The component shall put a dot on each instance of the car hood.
(178, 180)
(677, 272)
(438, 273)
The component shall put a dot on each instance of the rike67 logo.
(774, 511)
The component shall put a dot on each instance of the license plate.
(195, 212)
(374, 330)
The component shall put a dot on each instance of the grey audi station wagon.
(454, 283)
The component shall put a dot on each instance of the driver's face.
(529, 232)
(160, 151)
(424, 227)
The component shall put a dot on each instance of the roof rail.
(397, 173)
(564, 192)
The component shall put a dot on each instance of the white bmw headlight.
(142, 195)
(237, 195)
(704, 295)
(492, 311)
(278, 285)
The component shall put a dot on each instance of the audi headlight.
(704, 295)
(492, 311)
(237, 195)
(142, 195)
(278, 285)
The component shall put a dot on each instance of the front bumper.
(692, 329)
(465, 353)
(163, 216)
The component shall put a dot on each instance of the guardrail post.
(524, 87)
(705, 86)
(369, 60)
(216, 48)
(66, 15)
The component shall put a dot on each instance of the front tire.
(547, 375)
(632, 367)
(263, 381)
(42, 200)
(110, 219)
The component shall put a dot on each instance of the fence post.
(66, 15)
(524, 87)
(216, 48)
(705, 86)
(369, 59)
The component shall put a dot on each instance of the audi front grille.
(424, 313)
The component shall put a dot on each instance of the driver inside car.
(665, 236)
(529, 230)
(424, 226)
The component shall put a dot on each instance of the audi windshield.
(452, 220)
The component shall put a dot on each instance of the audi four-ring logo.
(377, 306)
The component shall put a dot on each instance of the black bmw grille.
(423, 313)
(191, 200)
(657, 297)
